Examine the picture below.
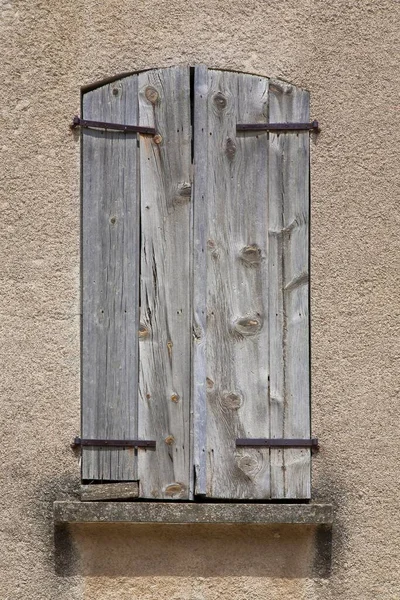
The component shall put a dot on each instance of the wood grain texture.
(165, 322)
(288, 291)
(205, 338)
(201, 134)
(109, 491)
(110, 274)
(237, 293)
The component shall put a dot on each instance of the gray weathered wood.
(109, 491)
(246, 262)
(110, 281)
(199, 374)
(237, 293)
(165, 322)
(288, 291)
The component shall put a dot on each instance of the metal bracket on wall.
(314, 127)
(78, 122)
(113, 443)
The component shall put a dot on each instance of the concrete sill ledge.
(169, 512)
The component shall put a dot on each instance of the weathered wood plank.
(288, 285)
(165, 324)
(110, 281)
(109, 491)
(200, 133)
(237, 294)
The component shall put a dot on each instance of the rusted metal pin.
(113, 443)
(314, 126)
(85, 123)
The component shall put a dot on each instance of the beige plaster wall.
(346, 53)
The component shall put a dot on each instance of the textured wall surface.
(346, 53)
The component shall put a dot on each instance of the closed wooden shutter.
(195, 285)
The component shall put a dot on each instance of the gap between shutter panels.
(218, 101)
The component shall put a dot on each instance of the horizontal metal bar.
(278, 127)
(78, 122)
(114, 443)
(278, 443)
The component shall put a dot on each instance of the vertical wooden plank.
(288, 280)
(165, 323)
(237, 293)
(110, 281)
(200, 166)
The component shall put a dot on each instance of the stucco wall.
(346, 54)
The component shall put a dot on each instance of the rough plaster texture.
(346, 53)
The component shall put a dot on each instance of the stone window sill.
(186, 512)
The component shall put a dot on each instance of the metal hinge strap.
(278, 127)
(114, 443)
(78, 122)
(278, 443)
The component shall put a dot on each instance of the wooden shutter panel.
(110, 287)
(251, 348)
(137, 236)
(164, 349)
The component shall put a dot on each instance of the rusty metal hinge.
(279, 127)
(279, 443)
(113, 443)
(78, 122)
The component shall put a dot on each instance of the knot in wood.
(169, 440)
(185, 189)
(249, 465)
(251, 255)
(230, 148)
(231, 401)
(143, 331)
(116, 91)
(183, 194)
(157, 139)
(169, 348)
(210, 383)
(220, 100)
(211, 245)
(175, 397)
(151, 94)
(197, 333)
(175, 490)
(248, 325)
